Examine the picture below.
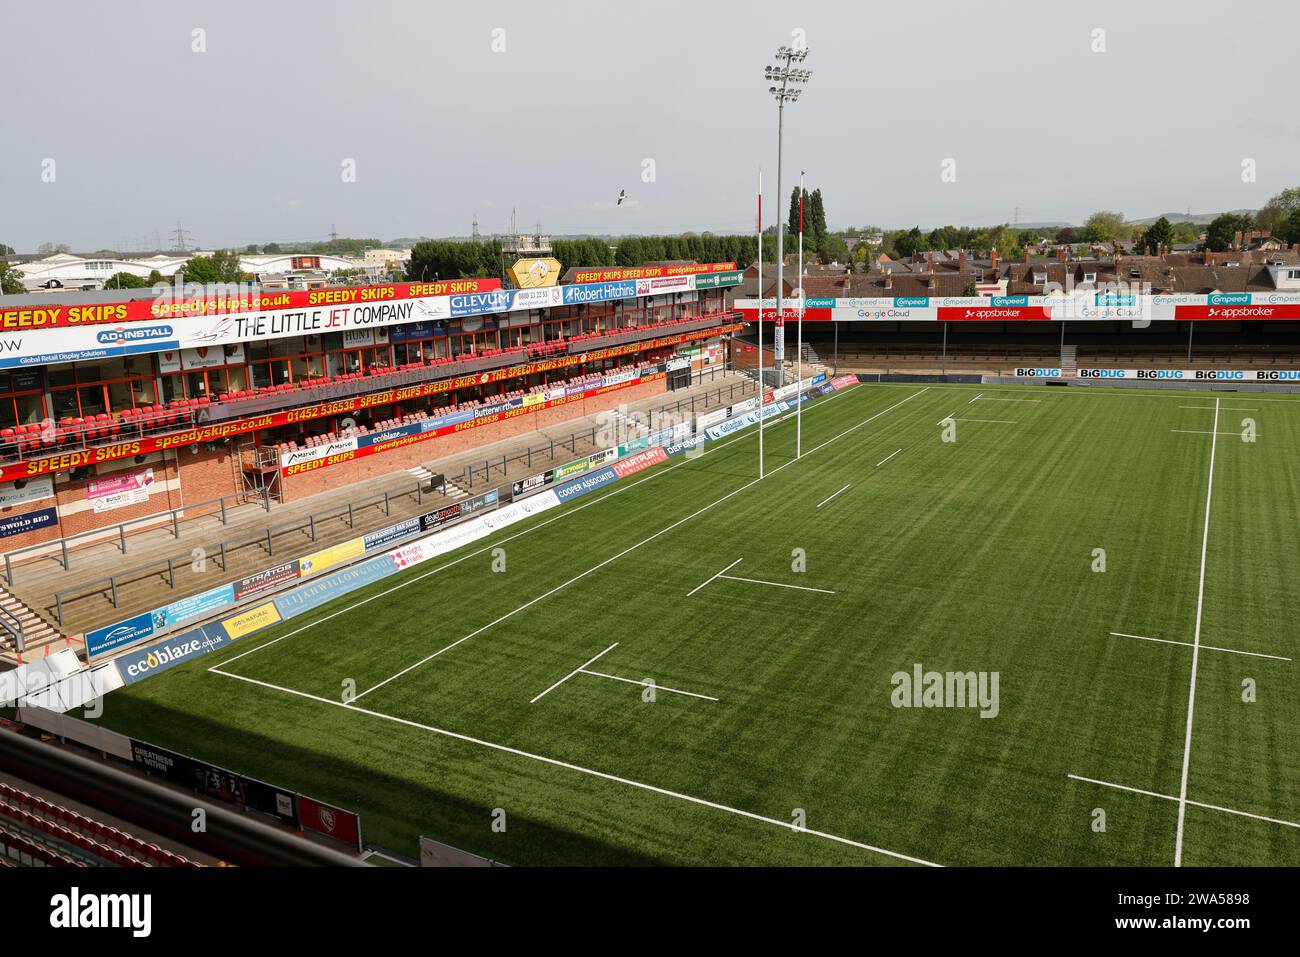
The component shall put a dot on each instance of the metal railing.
(10, 623)
(475, 472)
(170, 517)
(221, 551)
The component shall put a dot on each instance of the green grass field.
(973, 555)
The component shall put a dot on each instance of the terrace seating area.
(69, 433)
(315, 441)
(37, 832)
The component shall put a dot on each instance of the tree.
(1220, 235)
(125, 280)
(6, 250)
(833, 249)
(11, 280)
(1066, 236)
(52, 249)
(271, 249)
(1275, 212)
(1105, 226)
(814, 215)
(438, 259)
(221, 267)
(1289, 231)
(1002, 238)
(1158, 235)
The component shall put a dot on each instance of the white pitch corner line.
(887, 458)
(1170, 797)
(759, 581)
(718, 575)
(974, 400)
(648, 684)
(1188, 644)
(1196, 648)
(575, 671)
(845, 489)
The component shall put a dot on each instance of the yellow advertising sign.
(329, 557)
(534, 273)
(251, 621)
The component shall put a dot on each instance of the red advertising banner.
(56, 314)
(817, 314)
(994, 313)
(222, 430)
(1237, 313)
(642, 460)
(651, 272)
(331, 821)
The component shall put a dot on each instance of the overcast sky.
(246, 142)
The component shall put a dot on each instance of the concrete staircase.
(1069, 359)
(38, 634)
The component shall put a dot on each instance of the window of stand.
(204, 382)
(278, 361)
(22, 399)
(109, 385)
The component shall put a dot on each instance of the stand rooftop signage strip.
(50, 339)
(1081, 306)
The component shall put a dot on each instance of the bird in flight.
(622, 195)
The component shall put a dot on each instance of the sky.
(121, 121)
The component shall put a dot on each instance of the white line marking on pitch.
(1226, 408)
(1196, 432)
(757, 581)
(1170, 797)
(706, 581)
(845, 489)
(946, 417)
(567, 513)
(646, 684)
(990, 398)
(631, 548)
(973, 400)
(1188, 644)
(991, 421)
(887, 458)
(603, 775)
(1196, 647)
(568, 676)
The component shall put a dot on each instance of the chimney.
(933, 283)
(889, 280)
(1060, 254)
(929, 261)
(994, 260)
(1236, 239)
(961, 261)
(1207, 257)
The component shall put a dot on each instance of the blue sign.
(28, 521)
(385, 536)
(911, 302)
(79, 355)
(1010, 300)
(123, 633)
(588, 483)
(1230, 299)
(598, 291)
(138, 665)
(196, 606)
(326, 589)
(480, 303)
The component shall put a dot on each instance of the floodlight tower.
(790, 79)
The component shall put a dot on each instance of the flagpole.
(798, 375)
(760, 323)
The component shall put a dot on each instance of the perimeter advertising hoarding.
(215, 782)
